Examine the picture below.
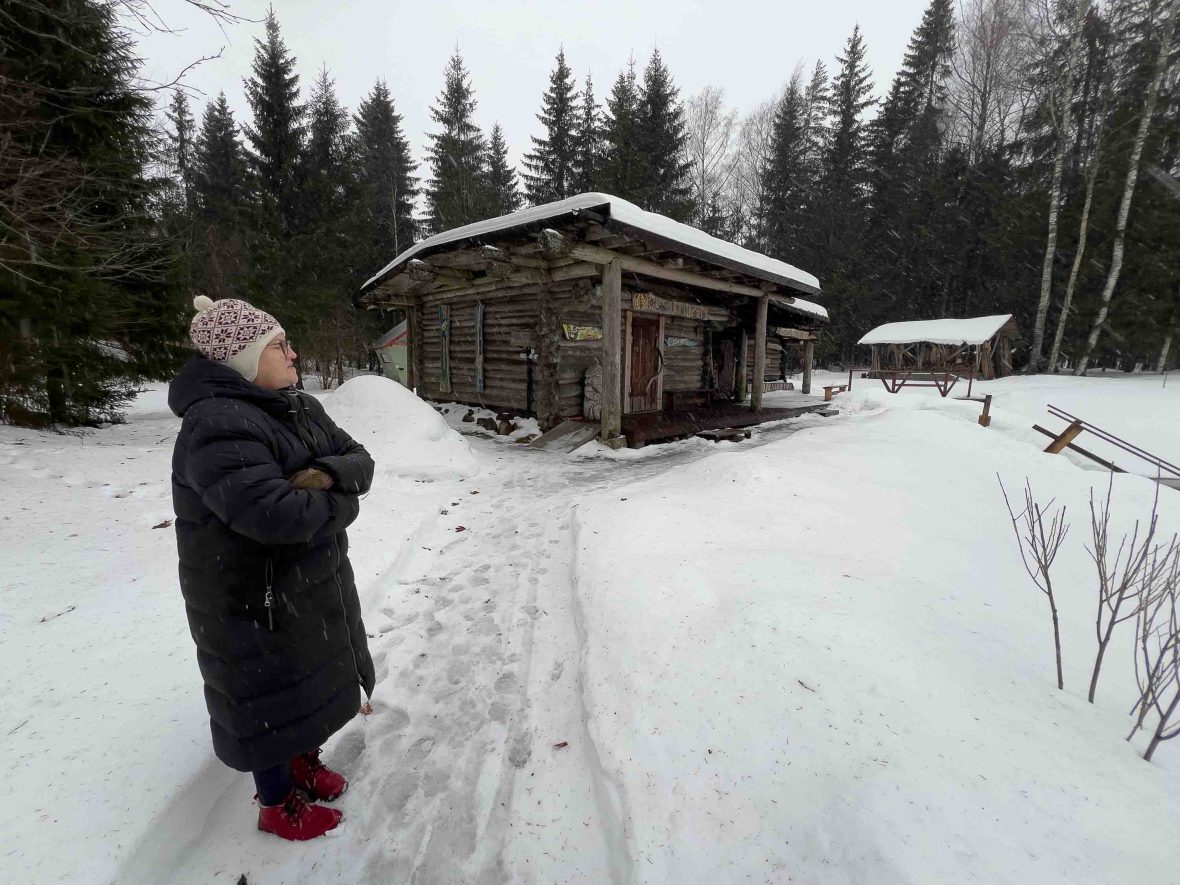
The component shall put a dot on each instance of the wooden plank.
(1064, 438)
(1109, 465)
(566, 436)
(612, 386)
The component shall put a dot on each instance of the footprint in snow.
(419, 751)
(506, 682)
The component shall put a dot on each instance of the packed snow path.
(476, 639)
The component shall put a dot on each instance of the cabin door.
(646, 363)
(725, 359)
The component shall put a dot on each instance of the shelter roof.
(975, 330)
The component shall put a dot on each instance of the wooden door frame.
(629, 315)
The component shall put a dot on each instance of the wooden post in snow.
(759, 355)
(808, 357)
(612, 379)
(743, 362)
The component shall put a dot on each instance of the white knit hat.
(232, 332)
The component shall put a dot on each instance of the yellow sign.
(645, 301)
(581, 333)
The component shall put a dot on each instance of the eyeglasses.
(284, 345)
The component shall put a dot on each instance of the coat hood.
(202, 378)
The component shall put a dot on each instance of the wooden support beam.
(612, 380)
(1109, 465)
(1064, 438)
(643, 267)
(743, 362)
(759, 354)
(808, 359)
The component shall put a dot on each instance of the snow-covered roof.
(688, 239)
(974, 330)
(800, 305)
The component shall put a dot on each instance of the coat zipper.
(270, 596)
(344, 609)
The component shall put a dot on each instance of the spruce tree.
(551, 164)
(623, 170)
(834, 239)
(388, 187)
(907, 153)
(661, 130)
(276, 133)
(221, 189)
(785, 179)
(181, 135)
(503, 194)
(219, 166)
(587, 142)
(457, 193)
(83, 274)
(817, 107)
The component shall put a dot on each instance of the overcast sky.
(749, 49)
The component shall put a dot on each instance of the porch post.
(612, 380)
(808, 356)
(742, 362)
(758, 380)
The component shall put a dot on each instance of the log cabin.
(592, 309)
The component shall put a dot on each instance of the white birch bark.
(1116, 260)
(1083, 231)
(1075, 45)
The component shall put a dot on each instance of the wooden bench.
(831, 390)
(679, 400)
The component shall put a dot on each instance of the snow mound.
(404, 434)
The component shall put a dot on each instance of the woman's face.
(276, 367)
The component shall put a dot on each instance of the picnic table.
(942, 379)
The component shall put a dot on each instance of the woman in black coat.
(264, 484)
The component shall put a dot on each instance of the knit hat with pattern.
(232, 332)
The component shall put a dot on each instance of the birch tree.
(1060, 106)
(710, 130)
(1167, 32)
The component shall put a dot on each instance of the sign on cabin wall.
(669, 341)
(580, 333)
(645, 301)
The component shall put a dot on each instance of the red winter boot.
(297, 820)
(315, 778)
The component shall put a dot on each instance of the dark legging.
(274, 784)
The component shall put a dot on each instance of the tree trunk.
(1083, 231)
(1161, 365)
(1159, 731)
(1056, 641)
(1038, 341)
(1116, 261)
(1102, 644)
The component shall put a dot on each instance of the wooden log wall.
(519, 317)
(774, 362)
(510, 320)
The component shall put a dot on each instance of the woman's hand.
(310, 478)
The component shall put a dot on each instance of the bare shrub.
(1039, 536)
(1157, 657)
(1131, 576)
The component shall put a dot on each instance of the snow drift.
(405, 435)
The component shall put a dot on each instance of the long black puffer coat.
(264, 567)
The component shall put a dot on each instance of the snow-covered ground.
(810, 657)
